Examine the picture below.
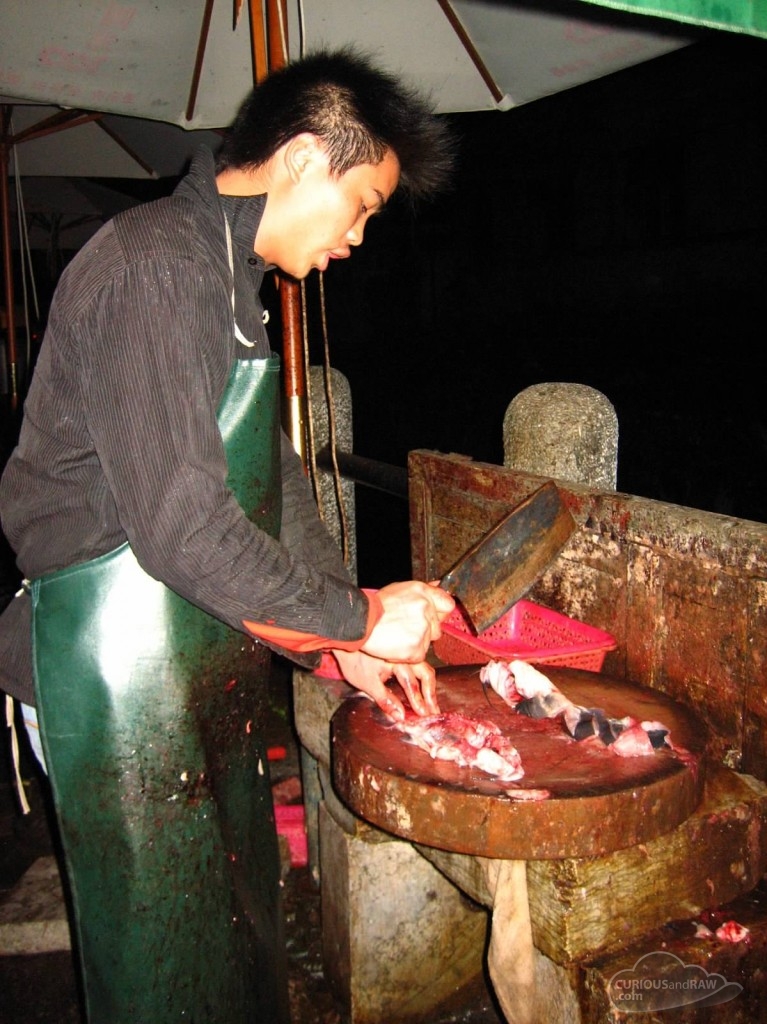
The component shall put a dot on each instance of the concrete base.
(33, 915)
(399, 939)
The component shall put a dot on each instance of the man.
(163, 522)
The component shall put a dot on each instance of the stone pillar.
(336, 503)
(564, 431)
(399, 938)
(335, 500)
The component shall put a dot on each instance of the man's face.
(321, 216)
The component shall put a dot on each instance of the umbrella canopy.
(51, 141)
(40, 143)
(190, 62)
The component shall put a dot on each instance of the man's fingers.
(407, 679)
(443, 602)
(389, 704)
(420, 686)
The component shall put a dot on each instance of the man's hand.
(370, 675)
(413, 613)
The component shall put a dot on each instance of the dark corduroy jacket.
(119, 439)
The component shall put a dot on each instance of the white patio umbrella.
(191, 62)
(42, 144)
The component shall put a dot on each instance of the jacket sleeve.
(152, 407)
(305, 536)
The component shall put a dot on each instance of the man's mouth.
(324, 263)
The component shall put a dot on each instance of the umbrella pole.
(5, 206)
(294, 377)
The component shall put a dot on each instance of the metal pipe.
(379, 475)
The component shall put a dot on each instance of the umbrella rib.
(201, 45)
(59, 122)
(66, 119)
(115, 137)
(468, 45)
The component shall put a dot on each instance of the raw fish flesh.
(526, 689)
(469, 742)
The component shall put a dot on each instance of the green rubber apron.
(151, 715)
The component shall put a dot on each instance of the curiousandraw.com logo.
(661, 981)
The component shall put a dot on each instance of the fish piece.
(633, 741)
(530, 692)
(658, 733)
(529, 680)
(526, 689)
(527, 795)
(468, 742)
(499, 676)
(731, 931)
(547, 705)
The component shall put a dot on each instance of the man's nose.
(355, 233)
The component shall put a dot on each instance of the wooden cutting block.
(589, 906)
(598, 802)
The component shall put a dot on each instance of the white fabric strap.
(10, 721)
(237, 332)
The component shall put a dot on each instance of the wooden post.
(5, 206)
(294, 371)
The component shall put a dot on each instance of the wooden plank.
(584, 907)
(587, 907)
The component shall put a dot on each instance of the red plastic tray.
(291, 823)
(527, 631)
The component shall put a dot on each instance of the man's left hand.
(370, 675)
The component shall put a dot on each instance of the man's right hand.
(412, 616)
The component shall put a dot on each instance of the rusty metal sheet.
(598, 802)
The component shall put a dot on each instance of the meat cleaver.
(502, 566)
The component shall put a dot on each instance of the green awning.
(749, 16)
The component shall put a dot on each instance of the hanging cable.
(311, 446)
(301, 29)
(27, 275)
(328, 375)
(313, 469)
(25, 256)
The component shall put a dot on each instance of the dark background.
(613, 235)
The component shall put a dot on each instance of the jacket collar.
(243, 212)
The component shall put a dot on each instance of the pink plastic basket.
(527, 631)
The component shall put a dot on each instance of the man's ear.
(302, 153)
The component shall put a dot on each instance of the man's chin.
(297, 273)
(293, 276)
